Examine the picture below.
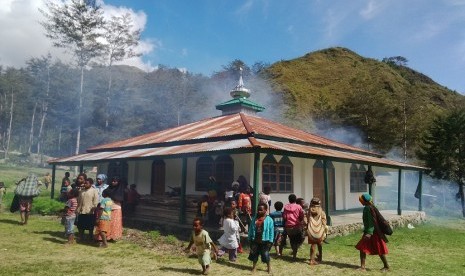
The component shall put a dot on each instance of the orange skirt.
(116, 225)
(102, 226)
(373, 245)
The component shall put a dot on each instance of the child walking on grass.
(69, 215)
(103, 218)
(229, 241)
(278, 222)
(203, 245)
(316, 230)
(261, 236)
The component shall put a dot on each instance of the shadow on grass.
(54, 240)
(56, 234)
(188, 271)
(339, 265)
(226, 262)
(9, 221)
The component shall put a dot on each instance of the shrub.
(47, 206)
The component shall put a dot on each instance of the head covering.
(315, 201)
(102, 176)
(365, 198)
(235, 184)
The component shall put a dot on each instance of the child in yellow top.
(203, 245)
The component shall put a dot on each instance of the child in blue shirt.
(278, 221)
(261, 235)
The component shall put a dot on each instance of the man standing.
(293, 216)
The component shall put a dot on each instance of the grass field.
(38, 249)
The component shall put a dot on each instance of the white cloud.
(370, 10)
(184, 52)
(22, 37)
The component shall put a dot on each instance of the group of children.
(264, 230)
(96, 207)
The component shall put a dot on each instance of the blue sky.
(203, 35)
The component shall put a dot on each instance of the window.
(118, 169)
(277, 175)
(204, 170)
(357, 179)
(222, 169)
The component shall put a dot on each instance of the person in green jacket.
(261, 236)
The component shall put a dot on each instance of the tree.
(121, 40)
(76, 27)
(443, 149)
(39, 69)
(398, 60)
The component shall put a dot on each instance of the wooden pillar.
(420, 188)
(52, 189)
(182, 212)
(326, 183)
(256, 174)
(81, 168)
(399, 193)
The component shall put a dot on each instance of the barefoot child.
(70, 215)
(229, 240)
(373, 241)
(203, 245)
(103, 218)
(261, 235)
(278, 222)
(316, 230)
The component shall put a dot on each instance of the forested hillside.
(387, 104)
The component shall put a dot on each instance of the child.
(65, 190)
(278, 222)
(69, 215)
(133, 198)
(219, 205)
(204, 208)
(316, 229)
(245, 207)
(203, 244)
(264, 197)
(261, 235)
(103, 218)
(229, 240)
(2, 192)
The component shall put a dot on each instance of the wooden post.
(52, 191)
(256, 174)
(399, 193)
(420, 188)
(182, 212)
(326, 183)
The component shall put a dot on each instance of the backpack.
(383, 224)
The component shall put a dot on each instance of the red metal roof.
(224, 127)
(233, 133)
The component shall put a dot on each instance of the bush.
(46, 206)
(154, 235)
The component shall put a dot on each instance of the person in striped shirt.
(70, 215)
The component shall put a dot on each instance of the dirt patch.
(154, 241)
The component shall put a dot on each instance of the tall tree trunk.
(107, 104)
(10, 125)
(78, 135)
(44, 112)
(31, 131)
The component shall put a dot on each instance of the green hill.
(390, 104)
